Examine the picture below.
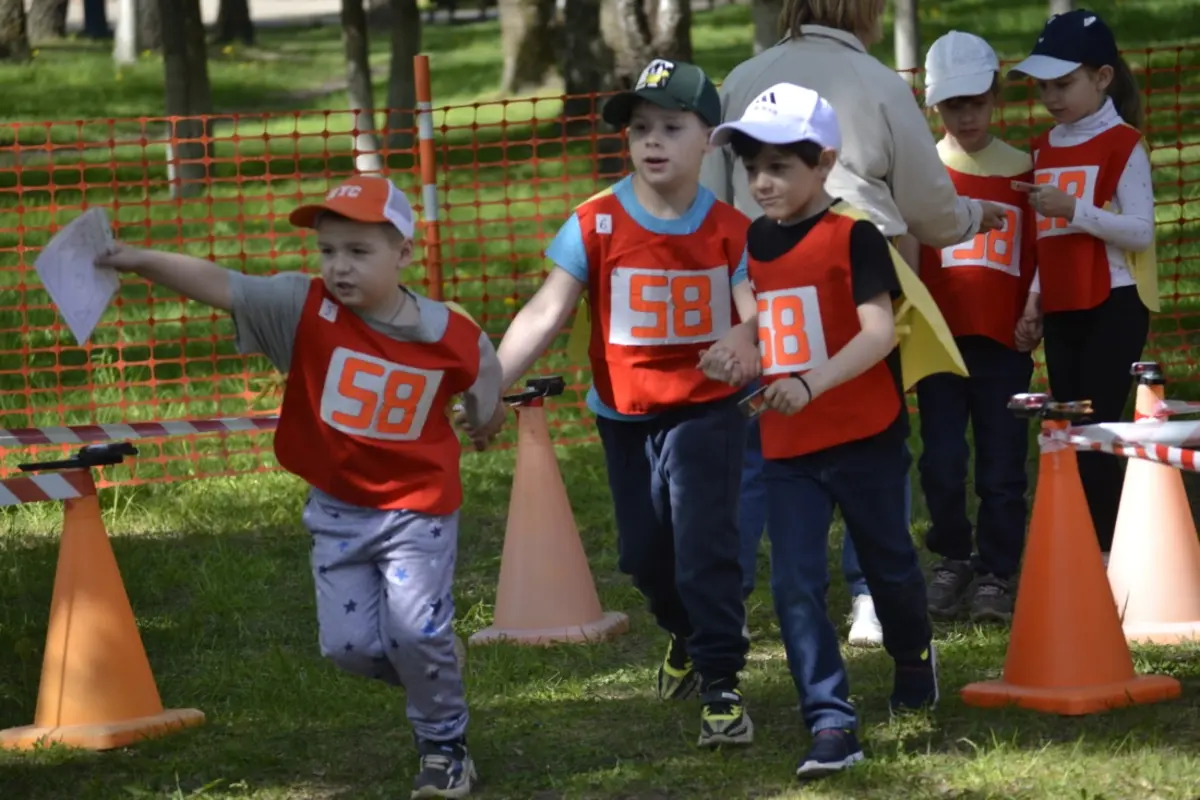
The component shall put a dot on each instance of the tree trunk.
(189, 96)
(907, 40)
(14, 35)
(586, 61)
(402, 90)
(1060, 6)
(765, 14)
(150, 26)
(47, 20)
(95, 19)
(527, 35)
(125, 47)
(358, 86)
(639, 31)
(234, 23)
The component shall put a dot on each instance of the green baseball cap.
(674, 85)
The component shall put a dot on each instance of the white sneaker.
(865, 629)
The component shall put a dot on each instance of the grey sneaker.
(948, 587)
(993, 600)
(446, 770)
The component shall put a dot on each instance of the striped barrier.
(66, 485)
(90, 434)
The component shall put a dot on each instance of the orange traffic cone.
(97, 691)
(1154, 567)
(546, 593)
(1066, 653)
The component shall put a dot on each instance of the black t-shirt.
(872, 273)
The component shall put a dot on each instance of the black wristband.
(803, 383)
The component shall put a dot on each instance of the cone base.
(1073, 701)
(611, 624)
(1162, 632)
(102, 735)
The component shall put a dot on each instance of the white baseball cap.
(959, 65)
(783, 114)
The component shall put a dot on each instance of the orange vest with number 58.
(364, 415)
(1073, 267)
(657, 300)
(980, 286)
(806, 314)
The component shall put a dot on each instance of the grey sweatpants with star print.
(385, 604)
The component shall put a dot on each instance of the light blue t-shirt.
(569, 253)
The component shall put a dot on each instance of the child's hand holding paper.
(67, 268)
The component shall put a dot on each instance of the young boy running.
(833, 433)
(656, 254)
(371, 370)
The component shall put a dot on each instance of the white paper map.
(80, 290)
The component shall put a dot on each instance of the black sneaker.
(993, 600)
(948, 587)
(446, 770)
(723, 719)
(915, 686)
(833, 749)
(677, 680)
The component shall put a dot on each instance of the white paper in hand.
(80, 290)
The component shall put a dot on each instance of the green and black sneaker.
(677, 680)
(723, 719)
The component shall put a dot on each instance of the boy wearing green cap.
(656, 254)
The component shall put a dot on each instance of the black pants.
(947, 404)
(1088, 356)
(675, 481)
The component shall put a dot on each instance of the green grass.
(217, 569)
(218, 574)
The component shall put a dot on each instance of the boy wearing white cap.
(982, 287)
(823, 279)
(371, 371)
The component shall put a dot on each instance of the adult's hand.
(994, 216)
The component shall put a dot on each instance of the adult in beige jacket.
(888, 166)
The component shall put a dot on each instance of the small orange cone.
(97, 691)
(1066, 653)
(546, 593)
(1154, 567)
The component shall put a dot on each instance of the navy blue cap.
(1067, 42)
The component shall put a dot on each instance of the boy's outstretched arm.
(194, 278)
(537, 324)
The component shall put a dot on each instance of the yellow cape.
(926, 344)
(1144, 265)
(453, 306)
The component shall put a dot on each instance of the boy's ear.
(828, 158)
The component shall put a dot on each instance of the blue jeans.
(674, 480)
(947, 403)
(865, 480)
(752, 518)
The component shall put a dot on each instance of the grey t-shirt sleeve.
(266, 312)
(481, 399)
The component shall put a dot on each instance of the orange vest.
(658, 301)
(806, 314)
(1073, 267)
(980, 286)
(364, 416)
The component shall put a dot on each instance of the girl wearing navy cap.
(1093, 200)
